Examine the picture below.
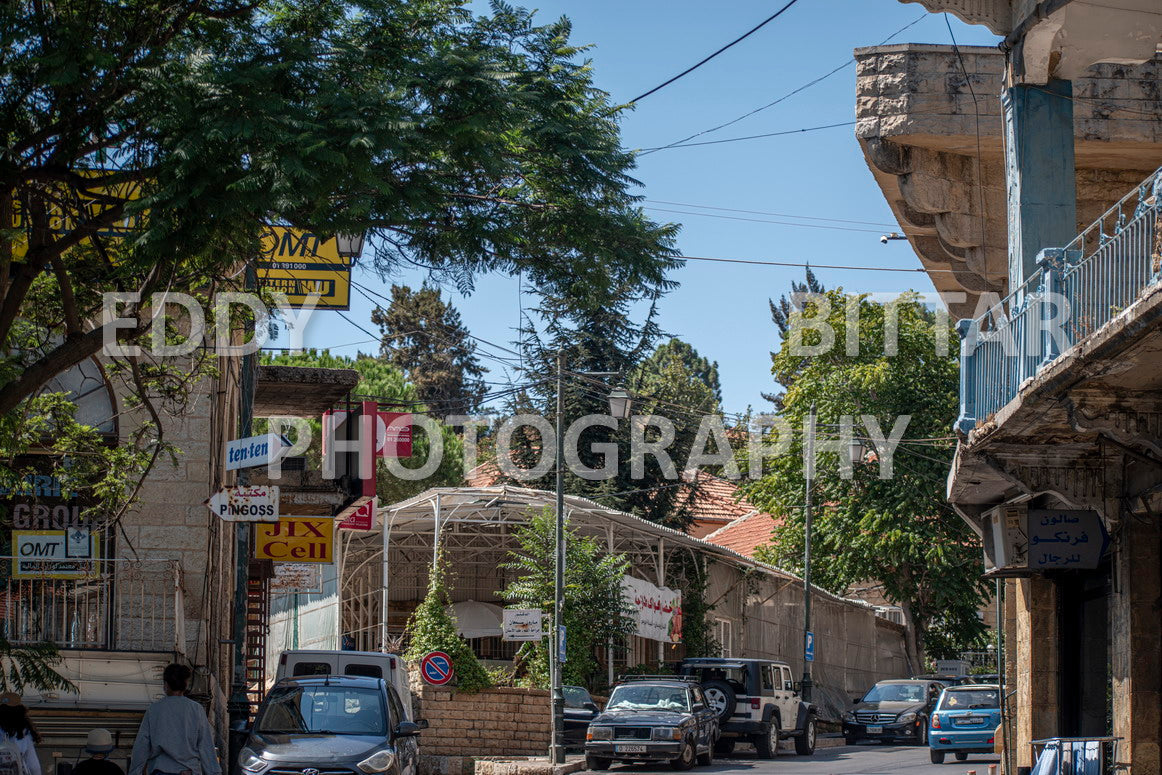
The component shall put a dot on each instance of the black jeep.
(756, 701)
(652, 719)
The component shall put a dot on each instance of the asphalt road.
(865, 759)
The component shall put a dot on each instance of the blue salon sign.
(1066, 539)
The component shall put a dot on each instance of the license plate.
(875, 730)
(629, 748)
(969, 720)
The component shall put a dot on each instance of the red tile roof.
(746, 534)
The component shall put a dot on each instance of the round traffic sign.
(436, 668)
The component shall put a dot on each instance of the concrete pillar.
(1039, 173)
(1036, 646)
(1135, 633)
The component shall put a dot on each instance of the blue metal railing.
(1074, 292)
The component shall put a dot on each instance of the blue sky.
(722, 308)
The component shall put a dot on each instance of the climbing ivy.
(693, 577)
(433, 628)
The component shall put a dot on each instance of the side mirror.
(407, 729)
(795, 686)
(591, 706)
(789, 686)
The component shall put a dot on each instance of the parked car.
(756, 701)
(964, 721)
(944, 679)
(331, 724)
(297, 663)
(580, 710)
(653, 719)
(896, 710)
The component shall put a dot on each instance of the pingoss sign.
(245, 504)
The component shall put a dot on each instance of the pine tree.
(433, 628)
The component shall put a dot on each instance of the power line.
(737, 40)
(748, 137)
(808, 265)
(792, 93)
(767, 212)
(765, 220)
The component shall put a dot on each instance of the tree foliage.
(432, 627)
(898, 531)
(425, 339)
(31, 666)
(697, 366)
(595, 612)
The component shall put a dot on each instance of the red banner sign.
(393, 434)
(362, 518)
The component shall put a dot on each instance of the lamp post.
(620, 402)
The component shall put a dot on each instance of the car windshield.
(665, 698)
(735, 676)
(576, 697)
(896, 693)
(338, 710)
(970, 699)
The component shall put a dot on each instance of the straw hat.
(11, 699)
(100, 741)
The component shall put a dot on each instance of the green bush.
(432, 628)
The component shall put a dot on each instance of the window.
(366, 671)
(312, 668)
(970, 699)
(698, 698)
(768, 677)
(788, 682)
(337, 710)
(724, 636)
(396, 707)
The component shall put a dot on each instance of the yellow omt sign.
(300, 263)
(86, 203)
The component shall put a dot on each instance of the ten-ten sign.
(255, 451)
(246, 504)
(295, 539)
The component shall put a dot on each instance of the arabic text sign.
(245, 504)
(297, 577)
(522, 624)
(657, 610)
(55, 554)
(361, 517)
(1065, 539)
(255, 451)
(295, 539)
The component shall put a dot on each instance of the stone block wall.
(494, 722)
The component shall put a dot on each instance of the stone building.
(1037, 215)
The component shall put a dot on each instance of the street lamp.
(619, 406)
(349, 244)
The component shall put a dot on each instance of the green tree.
(693, 363)
(433, 628)
(782, 313)
(898, 531)
(595, 610)
(386, 384)
(424, 338)
(31, 666)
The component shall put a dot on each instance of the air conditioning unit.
(1006, 542)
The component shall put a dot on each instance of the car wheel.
(706, 759)
(721, 698)
(724, 746)
(597, 763)
(937, 757)
(960, 757)
(805, 743)
(767, 746)
(685, 760)
(922, 735)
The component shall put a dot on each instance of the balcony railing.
(109, 605)
(1075, 291)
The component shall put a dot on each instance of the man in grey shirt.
(175, 737)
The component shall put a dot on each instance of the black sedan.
(893, 711)
(653, 719)
(580, 710)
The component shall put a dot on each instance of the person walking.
(175, 737)
(18, 738)
(98, 747)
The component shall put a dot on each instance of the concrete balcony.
(1066, 368)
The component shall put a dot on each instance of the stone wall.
(494, 722)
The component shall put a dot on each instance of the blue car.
(964, 721)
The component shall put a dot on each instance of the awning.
(477, 620)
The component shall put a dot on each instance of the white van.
(367, 664)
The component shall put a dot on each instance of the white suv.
(757, 701)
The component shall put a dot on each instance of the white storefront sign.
(297, 577)
(246, 504)
(657, 610)
(523, 624)
(255, 451)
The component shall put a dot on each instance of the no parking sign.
(436, 668)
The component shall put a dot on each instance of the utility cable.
(737, 40)
(767, 212)
(766, 220)
(748, 137)
(848, 63)
(807, 265)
